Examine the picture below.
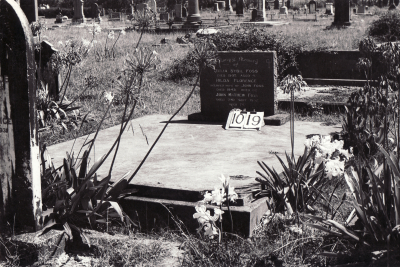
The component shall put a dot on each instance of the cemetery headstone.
(329, 9)
(49, 78)
(221, 5)
(193, 17)
(30, 8)
(261, 10)
(79, 17)
(312, 6)
(254, 15)
(244, 80)
(276, 4)
(283, 10)
(361, 9)
(59, 18)
(228, 5)
(142, 7)
(96, 12)
(239, 7)
(178, 12)
(216, 9)
(153, 5)
(184, 12)
(342, 13)
(20, 181)
(164, 16)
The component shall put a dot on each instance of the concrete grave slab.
(191, 156)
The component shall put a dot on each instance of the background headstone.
(239, 7)
(329, 9)
(221, 5)
(228, 5)
(178, 12)
(164, 16)
(245, 80)
(30, 8)
(194, 14)
(79, 17)
(283, 10)
(19, 150)
(276, 4)
(361, 9)
(254, 13)
(261, 10)
(184, 12)
(216, 9)
(153, 5)
(312, 5)
(342, 13)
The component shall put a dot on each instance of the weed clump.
(386, 28)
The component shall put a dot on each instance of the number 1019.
(242, 120)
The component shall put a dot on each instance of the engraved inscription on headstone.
(244, 80)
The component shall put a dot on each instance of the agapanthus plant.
(222, 194)
(330, 152)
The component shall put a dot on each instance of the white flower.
(217, 214)
(85, 43)
(108, 96)
(334, 168)
(202, 214)
(207, 197)
(218, 196)
(123, 32)
(111, 35)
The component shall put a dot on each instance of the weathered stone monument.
(59, 18)
(79, 17)
(283, 10)
(95, 12)
(342, 13)
(178, 12)
(239, 7)
(153, 5)
(228, 5)
(30, 8)
(244, 80)
(193, 18)
(216, 8)
(276, 4)
(329, 8)
(184, 12)
(312, 5)
(361, 9)
(261, 10)
(20, 201)
(221, 5)
(164, 16)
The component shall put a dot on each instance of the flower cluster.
(221, 194)
(330, 152)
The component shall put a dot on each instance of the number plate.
(244, 120)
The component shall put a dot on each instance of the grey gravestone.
(245, 80)
(221, 5)
(329, 9)
(276, 4)
(59, 18)
(312, 6)
(153, 5)
(184, 12)
(178, 12)
(239, 7)
(254, 15)
(164, 16)
(216, 9)
(342, 13)
(30, 8)
(79, 17)
(49, 77)
(19, 150)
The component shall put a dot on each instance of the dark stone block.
(244, 80)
